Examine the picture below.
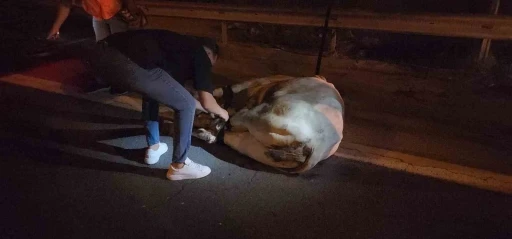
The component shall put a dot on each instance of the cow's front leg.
(246, 144)
(204, 135)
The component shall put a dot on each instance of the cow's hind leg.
(246, 144)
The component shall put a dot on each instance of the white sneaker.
(152, 156)
(190, 170)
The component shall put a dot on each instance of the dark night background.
(429, 51)
(72, 168)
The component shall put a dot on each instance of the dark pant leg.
(164, 89)
(154, 84)
(150, 111)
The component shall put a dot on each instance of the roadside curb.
(482, 179)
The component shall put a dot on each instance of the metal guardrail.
(487, 27)
(469, 26)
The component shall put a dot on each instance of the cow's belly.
(288, 141)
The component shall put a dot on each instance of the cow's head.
(208, 127)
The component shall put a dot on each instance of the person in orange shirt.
(108, 16)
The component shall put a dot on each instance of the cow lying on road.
(291, 123)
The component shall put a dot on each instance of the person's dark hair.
(209, 43)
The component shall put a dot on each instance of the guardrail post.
(224, 33)
(486, 43)
(332, 43)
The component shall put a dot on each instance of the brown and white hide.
(291, 123)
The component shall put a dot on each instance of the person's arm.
(204, 86)
(62, 15)
(200, 107)
(209, 104)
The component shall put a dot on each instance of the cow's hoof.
(205, 135)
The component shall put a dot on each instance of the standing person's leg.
(101, 31)
(116, 25)
(101, 28)
(162, 88)
(150, 110)
(152, 134)
(120, 72)
(150, 116)
(156, 84)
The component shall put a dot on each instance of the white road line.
(427, 167)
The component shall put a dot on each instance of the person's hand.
(224, 114)
(53, 35)
(209, 103)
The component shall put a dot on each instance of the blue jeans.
(104, 28)
(156, 86)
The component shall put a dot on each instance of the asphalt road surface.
(71, 168)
